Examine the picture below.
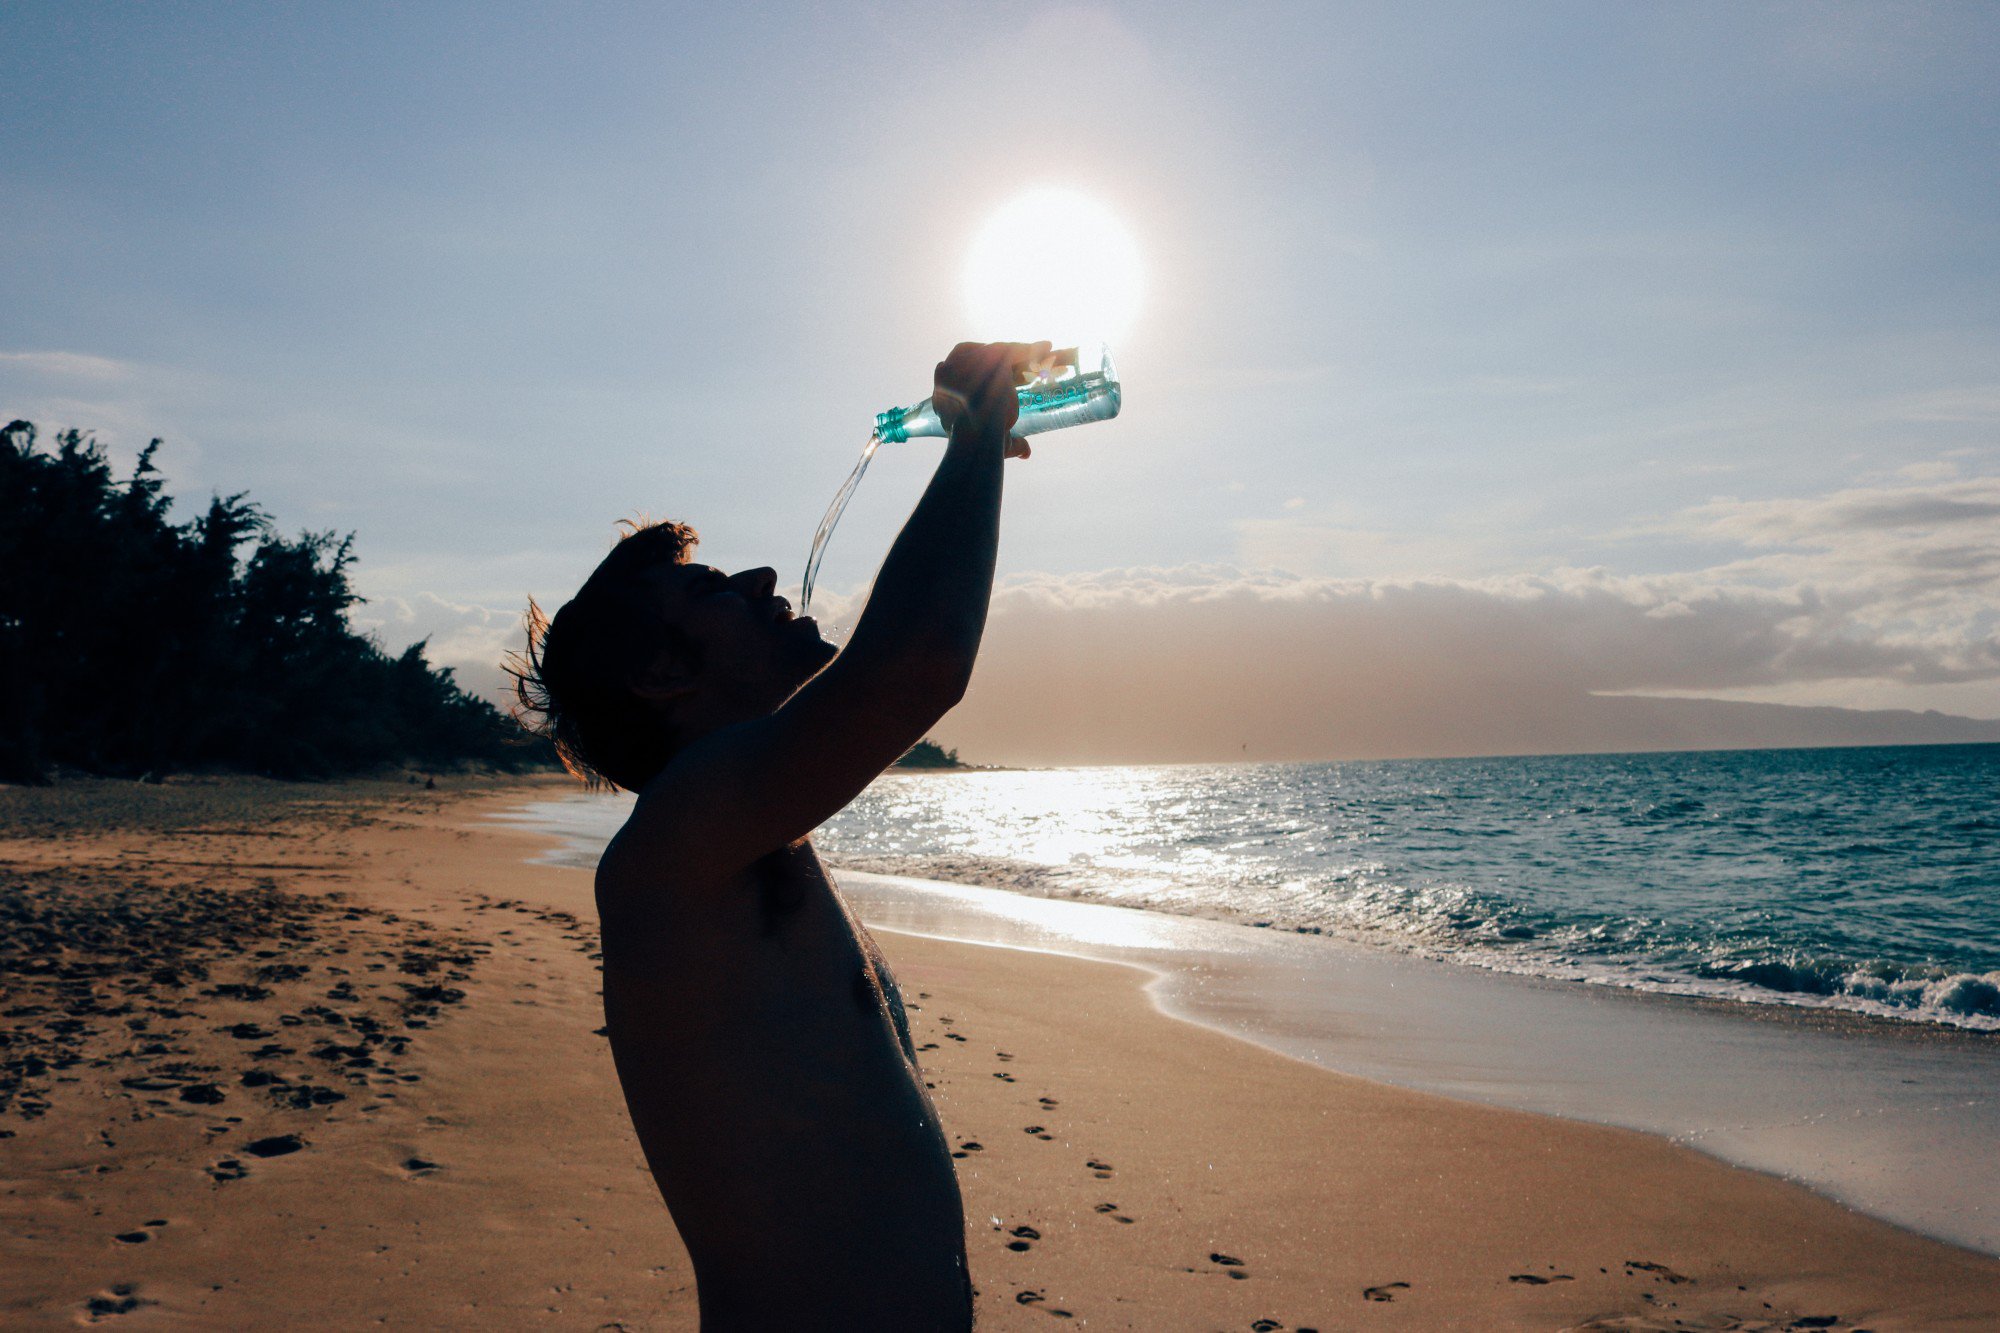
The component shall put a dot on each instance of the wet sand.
(273, 1058)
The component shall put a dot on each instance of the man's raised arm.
(748, 789)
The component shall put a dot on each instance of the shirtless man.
(759, 1037)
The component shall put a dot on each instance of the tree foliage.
(130, 644)
(928, 753)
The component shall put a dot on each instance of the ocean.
(1856, 879)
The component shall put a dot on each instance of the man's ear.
(665, 682)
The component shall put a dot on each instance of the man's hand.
(975, 385)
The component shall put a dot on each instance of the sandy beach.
(293, 1054)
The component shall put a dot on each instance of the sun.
(1055, 264)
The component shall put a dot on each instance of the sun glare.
(1056, 264)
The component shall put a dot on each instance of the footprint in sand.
(1022, 1237)
(1048, 1103)
(1102, 1169)
(1005, 1078)
(418, 1166)
(119, 1298)
(1002, 1055)
(1035, 1297)
(277, 1145)
(1386, 1292)
(969, 1146)
(1660, 1271)
(1537, 1280)
(1111, 1210)
(1038, 1131)
(1231, 1264)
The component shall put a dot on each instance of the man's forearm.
(928, 606)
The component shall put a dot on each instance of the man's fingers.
(981, 379)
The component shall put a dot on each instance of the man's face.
(752, 653)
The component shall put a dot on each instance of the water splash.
(831, 520)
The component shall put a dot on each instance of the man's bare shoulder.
(670, 833)
(655, 848)
(644, 889)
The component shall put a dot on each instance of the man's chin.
(813, 653)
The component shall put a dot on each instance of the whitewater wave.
(1455, 925)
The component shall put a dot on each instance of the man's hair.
(574, 679)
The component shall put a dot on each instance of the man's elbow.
(936, 683)
(928, 678)
(946, 686)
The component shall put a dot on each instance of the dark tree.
(131, 644)
(929, 754)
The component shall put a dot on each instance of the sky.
(1548, 353)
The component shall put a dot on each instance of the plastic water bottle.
(1075, 386)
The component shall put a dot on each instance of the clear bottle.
(1076, 386)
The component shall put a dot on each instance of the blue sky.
(1693, 307)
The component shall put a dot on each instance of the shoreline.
(492, 1177)
(1895, 1125)
(1890, 1116)
(579, 840)
(1759, 1004)
(947, 957)
(1839, 1011)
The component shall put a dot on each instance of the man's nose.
(759, 583)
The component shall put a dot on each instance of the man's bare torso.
(768, 1067)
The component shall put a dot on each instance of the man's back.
(767, 1065)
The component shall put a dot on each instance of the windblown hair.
(573, 681)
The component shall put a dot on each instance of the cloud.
(1895, 585)
(1818, 522)
(1176, 665)
(1892, 586)
(472, 640)
(67, 365)
(1924, 555)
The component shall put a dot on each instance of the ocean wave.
(1453, 924)
(1933, 993)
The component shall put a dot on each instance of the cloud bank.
(1166, 666)
(1893, 583)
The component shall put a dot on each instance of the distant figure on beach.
(760, 1039)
